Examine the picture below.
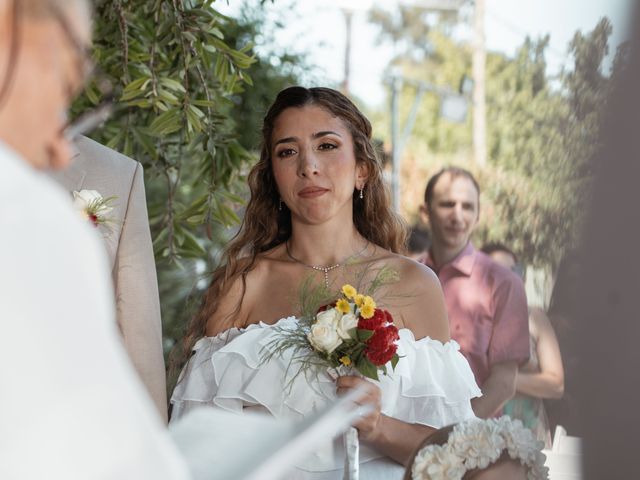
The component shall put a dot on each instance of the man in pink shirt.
(486, 302)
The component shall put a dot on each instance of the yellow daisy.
(369, 301)
(359, 299)
(367, 311)
(349, 291)
(346, 361)
(343, 306)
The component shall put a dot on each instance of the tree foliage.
(276, 67)
(541, 133)
(173, 71)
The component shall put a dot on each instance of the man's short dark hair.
(493, 247)
(419, 240)
(455, 172)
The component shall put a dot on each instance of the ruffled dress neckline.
(432, 384)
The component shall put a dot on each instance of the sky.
(318, 27)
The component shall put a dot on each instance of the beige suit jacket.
(128, 244)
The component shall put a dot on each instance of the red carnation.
(381, 347)
(380, 319)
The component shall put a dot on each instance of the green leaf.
(167, 96)
(394, 361)
(364, 335)
(189, 36)
(134, 89)
(191, 248)
(193, 118)
(216, 31)
(204, 103)
(366, 368)
(167, 122)
(209, 48)
(233, 197)
(172, 84)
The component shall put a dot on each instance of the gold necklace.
(321, 268)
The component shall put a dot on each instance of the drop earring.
(280, 205)
(362, 193)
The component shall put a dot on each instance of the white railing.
(565, 457)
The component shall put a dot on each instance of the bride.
(319, 208)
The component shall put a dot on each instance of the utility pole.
(348, 15)
(479, 106)
(396, 86)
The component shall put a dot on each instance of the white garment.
(431, 385)
(71, 406)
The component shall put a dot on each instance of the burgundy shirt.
(487, 308)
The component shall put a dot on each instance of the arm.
(137, 301)
(424, 316)
(395, 438)
(497, 389)
(509, 345)
(549, 381)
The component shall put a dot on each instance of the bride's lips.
(311, 192)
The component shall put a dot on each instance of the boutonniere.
(93, 206)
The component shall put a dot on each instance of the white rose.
(328, 317)
(323, 335)
(346, 323)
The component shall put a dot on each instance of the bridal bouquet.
(343, 331)
(355, 333)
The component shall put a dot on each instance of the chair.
(563, 443)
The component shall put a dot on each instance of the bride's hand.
(367, 424)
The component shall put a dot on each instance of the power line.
(521, 32)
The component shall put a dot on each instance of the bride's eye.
(327, 146)
(285, 152)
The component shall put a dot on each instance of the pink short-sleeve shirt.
(487, 308)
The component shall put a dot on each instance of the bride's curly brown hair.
(265, 225)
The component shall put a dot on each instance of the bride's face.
(314, 164)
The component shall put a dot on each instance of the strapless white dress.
(432, 385)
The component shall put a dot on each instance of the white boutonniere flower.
(93, 206)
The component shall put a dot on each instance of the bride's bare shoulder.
(422, 308)
(410, 271)
(235, 301)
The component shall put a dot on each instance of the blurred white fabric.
(220, 445)
(71, 405)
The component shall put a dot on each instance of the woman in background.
(542, 377)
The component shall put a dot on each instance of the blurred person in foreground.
(71, 405)
(542, 376)
(486, 303)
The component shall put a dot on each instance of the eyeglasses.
(86, 69)
(84, 62)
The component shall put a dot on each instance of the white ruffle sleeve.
(432, 384)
